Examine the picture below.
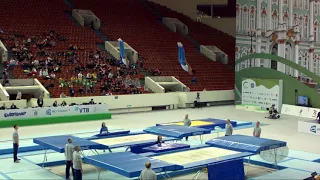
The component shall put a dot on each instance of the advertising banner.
(262, 92)
(52, 111)
(309, 128)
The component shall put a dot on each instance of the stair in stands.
(74, 21)
(70, 4)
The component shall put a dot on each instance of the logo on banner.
(48, 112)
(245, 85)
(301, 110)
(315, 113)
(35, 113)
(12, 114)
(313, 129)
(84, 110)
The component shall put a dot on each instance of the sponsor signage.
(309, 128)
(14, 114)
(262, 92)
(53, 111)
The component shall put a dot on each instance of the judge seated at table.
(159, 141)
(3, 107)
(104, 129)
(55, 104)
(13, 106)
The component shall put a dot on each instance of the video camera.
(273, 113)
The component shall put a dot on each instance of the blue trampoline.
(208, 123)
(111, 134)
(177, 131)
(129, 164)
(57, 143)
(245, 143)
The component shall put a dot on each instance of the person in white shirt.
(229, 128)
(15, 138)
(89, 76)
(62, 95)
(19, 95)
(52, 76)
(35, 62)
(257, 130)
(77, 164)
(40, 73)
(80, 76)
(110, 75)
(148, 173)
(68, 153)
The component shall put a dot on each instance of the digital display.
(303, 100)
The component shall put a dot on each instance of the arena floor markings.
(191, 156)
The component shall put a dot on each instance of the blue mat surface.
(129, 164)
(57, 143)
(226, 170)
(245, 143)
(176, 131)
(165, 147)
(285, 174)
(301, 165)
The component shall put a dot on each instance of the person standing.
(77, 164)
(19, 95)
(40, 101)
(187, 122)
(229, 128)
(68, 152)
(15, 138)
(71, 91)
(318, 117)
(148, 173)
(257, 130)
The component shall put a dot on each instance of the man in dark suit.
(13, 106)
(71, 91)
(40, 101)
(55, 104)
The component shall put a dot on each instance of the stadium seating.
(136, 24)
(37, 18)
(202, 33)
(130, 20)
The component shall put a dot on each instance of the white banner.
(296, 110)
(262, 92)
(53, 111)
(300, 111)
(309, 128)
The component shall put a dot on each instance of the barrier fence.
(307, 127)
